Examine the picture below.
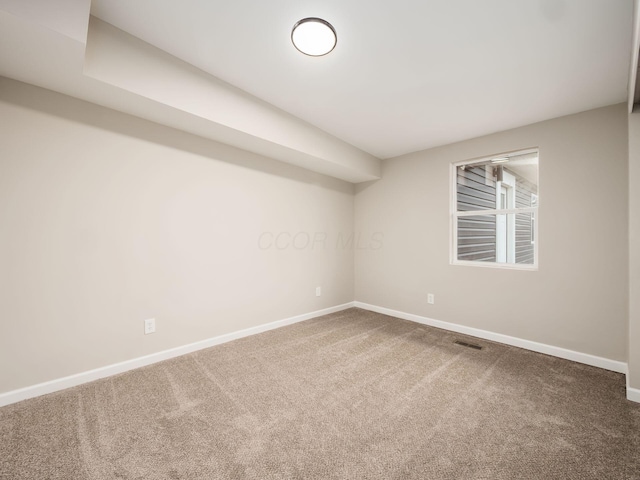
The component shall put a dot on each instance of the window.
(494, 211)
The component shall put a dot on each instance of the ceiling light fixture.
(314, 37)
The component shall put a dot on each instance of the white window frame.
(454, 214)
(504, 223)
(534, 220)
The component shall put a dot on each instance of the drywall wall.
(634, 251)
(107, 219)
(578, 297)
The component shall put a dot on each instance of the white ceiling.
(406, 74)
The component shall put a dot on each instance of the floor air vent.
(470, 345)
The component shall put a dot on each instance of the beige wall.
(634, 250)
(578, 297)
(106, 220)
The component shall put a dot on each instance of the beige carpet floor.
(352, 395)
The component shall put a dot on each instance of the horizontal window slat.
(478, 258)
(476, 183)
(478, 247)
(485, 234)
(477, 241)
(474, 203)
(473, 192)
(472, 207)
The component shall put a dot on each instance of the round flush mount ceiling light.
(314, 37)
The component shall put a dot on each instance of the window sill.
(499, 266)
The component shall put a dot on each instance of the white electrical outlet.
(431, 298)
(149, 326)
(318, 291)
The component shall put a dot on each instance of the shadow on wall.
(80, 111)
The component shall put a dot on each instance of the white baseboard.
(579, 357)
(102, 372)
(633, 394)
(14, 396)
